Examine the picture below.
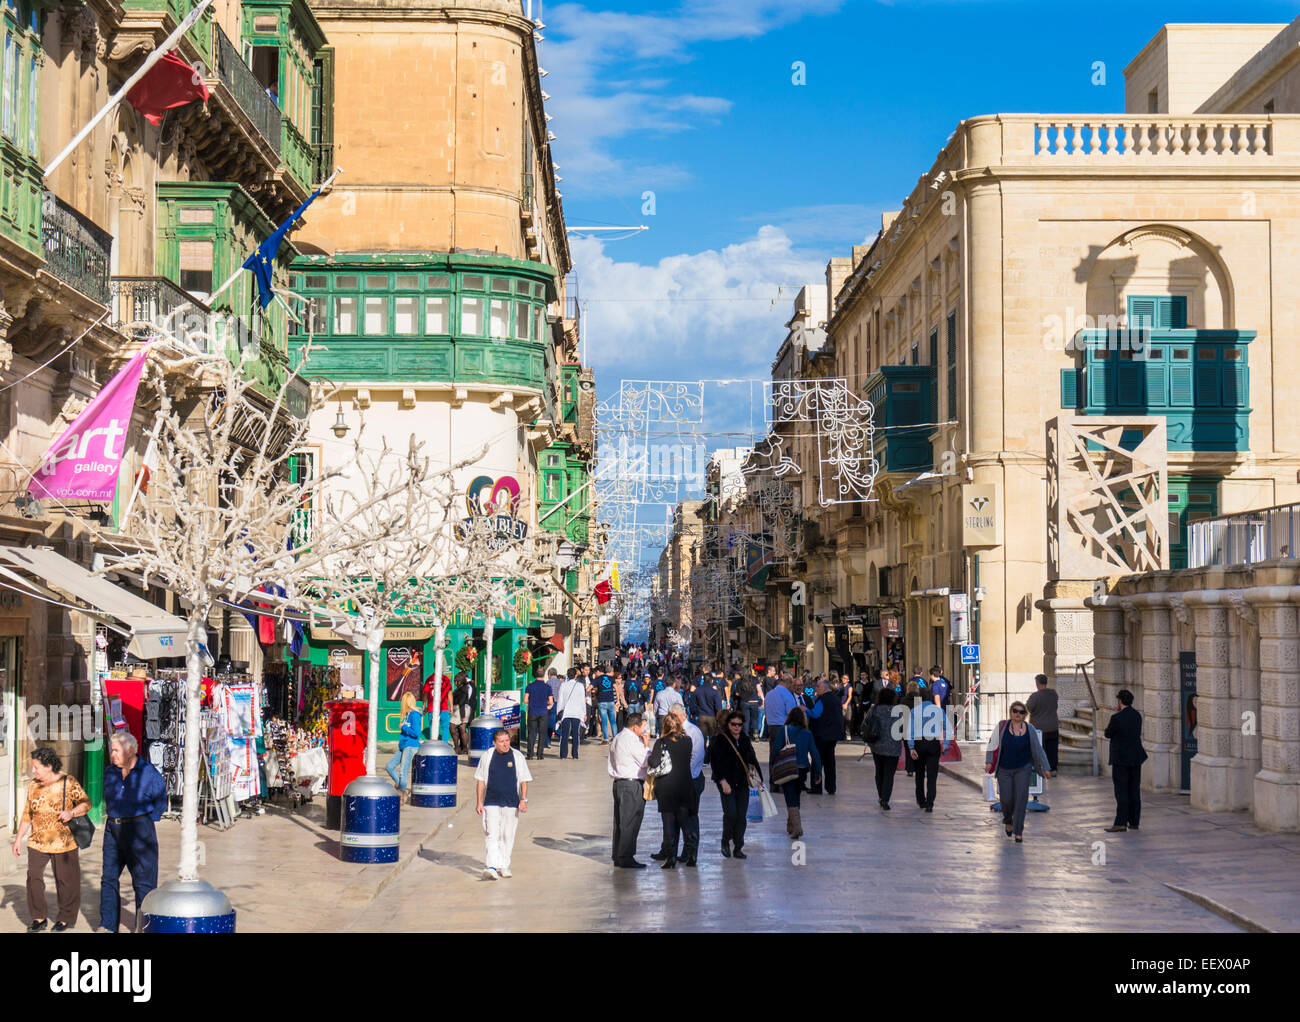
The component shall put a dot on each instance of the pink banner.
(83, 464)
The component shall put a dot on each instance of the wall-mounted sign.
(499, 508)
(889, 626)
(320, 634)
(981, 523)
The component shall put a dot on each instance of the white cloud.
(607, 79)
(695, 315)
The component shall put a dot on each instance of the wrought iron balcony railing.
(76, 250)
(247, 91)
(147, 306)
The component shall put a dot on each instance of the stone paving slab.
(858, 868)
(1221, 861)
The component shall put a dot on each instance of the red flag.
(170, 83)
(604, 591)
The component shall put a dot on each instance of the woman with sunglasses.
(1014, 748)
(733, 759)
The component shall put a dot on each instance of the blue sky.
(758, 181)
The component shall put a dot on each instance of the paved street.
(865, 870)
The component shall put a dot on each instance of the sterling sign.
(981, 524)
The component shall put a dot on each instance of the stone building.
(1051, 273)
(437, 276)
(137, 228)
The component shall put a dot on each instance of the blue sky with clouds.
(758, 181)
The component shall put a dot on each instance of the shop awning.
(154, 632)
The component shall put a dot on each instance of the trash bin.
(481, 730)
(371, 811)
(433, 776)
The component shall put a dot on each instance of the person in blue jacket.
(408, 741)
(795, 732)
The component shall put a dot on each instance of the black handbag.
(81, 827)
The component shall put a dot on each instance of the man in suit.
(1126, 759)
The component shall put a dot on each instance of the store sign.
(981, 524)
(889, 625)
(496, 502)
(321, 634)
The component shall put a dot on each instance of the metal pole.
(163, 49)
(489, 631)
(439, 645)
(975, 627)
(188, 869)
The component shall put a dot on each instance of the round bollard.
(370, 819)
(480, 737)
(433, 776)
(186, 906)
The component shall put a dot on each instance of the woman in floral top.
(53, 798)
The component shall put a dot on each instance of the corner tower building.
(435, 269)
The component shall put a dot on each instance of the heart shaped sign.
(399, 655)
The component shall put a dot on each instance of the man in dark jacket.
(1126, 759)
(826, 722)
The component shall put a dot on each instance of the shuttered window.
(952, 366)
(196, 266)
(1157, 312)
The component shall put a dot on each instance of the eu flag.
(262, 261)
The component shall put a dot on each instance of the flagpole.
(235, 276)
(139, 476)
(166, 47)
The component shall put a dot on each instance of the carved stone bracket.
(1244, 610)
(1131, 614)
(1180, 610)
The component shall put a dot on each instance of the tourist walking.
(1013, 750)
(1126, 758)
(699, 749)
(792, 748)
(462, 712)
(665, 700)
(735, 771)
(572, 707)
(627, 758)
(53, 799)
(1042, 714)
(927, 740)
(540, 701)
(408, 740)
(135, 796)
(670, 763)
(749, 693)
(501, 784)
(884, 735)
(708, 703)
(554, 679)
(778, 704)
(826, 721)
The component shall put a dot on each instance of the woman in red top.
(444, 709)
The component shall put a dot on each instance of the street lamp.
(340, 427)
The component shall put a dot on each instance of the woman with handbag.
(669, 771)
(885, 742)
(55, 813)
(1012, 750)
(793, 755)
(735, 772)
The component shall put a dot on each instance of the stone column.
(1110, 641)
(1157, 699)
(1243, 676)
(1215, 765)
(1068, 640)
(1277, 785)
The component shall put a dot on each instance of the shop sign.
(981, 523)
(322, 634)
(500, 508)
(889, 625)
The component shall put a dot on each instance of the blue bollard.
(433, 776)
(480, 737)
(371, 809)
(186, 906)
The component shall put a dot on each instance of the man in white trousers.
(502, 777)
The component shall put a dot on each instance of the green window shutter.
(1209, 369)
(1129, 380)
(1236, 387)
(1142, 312)
(1097, 378)
(1157, 391)
(952, 366)
(1070, 388)
(1159, 312)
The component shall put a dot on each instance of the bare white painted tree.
(224, 519)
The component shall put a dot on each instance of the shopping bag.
(755, 812)
(769, 804)
(990, 788)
